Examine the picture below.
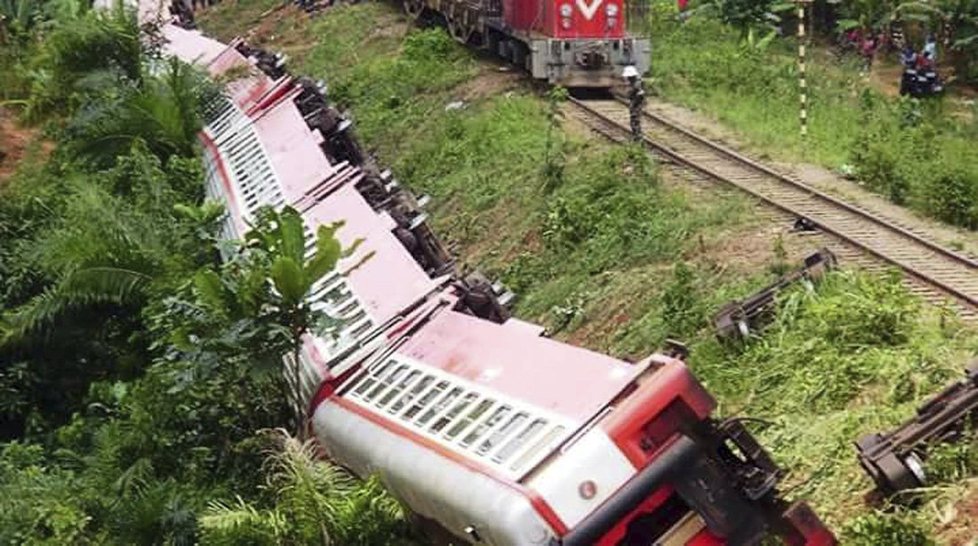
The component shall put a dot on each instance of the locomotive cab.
(574, 43)
(683, 478)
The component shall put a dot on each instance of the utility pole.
(802, 68)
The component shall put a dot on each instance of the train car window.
(425, 399)
(347, 308)
(371, 377)
(398, 388)
(362, 329)
(336, 293)
(469, 418)
(409, 394)
(485, 426)
(352, 320)
(501, 434)
(519, 440)
(457, 409)
(535, 450)
(440, 405)
(385, 380)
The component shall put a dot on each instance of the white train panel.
(588, 472)
(451, 493)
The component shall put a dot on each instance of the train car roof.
(382, 274)
(247, 86)
(190, 46)
(293, 149)
(560, 378)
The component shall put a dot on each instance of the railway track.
(939, 272)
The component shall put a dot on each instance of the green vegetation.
(853, 357)
(916, 153)
(314, 503)
(138, 370)
(607, 253)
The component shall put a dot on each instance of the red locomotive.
(574, 43)
(472, 418)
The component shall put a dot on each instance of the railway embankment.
(919, 155)
(611, 251)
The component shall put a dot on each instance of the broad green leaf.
(292, 238)
(210, 290)
(289, 280)
(328, 252)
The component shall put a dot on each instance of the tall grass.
(915, 153)
(607, 254)
(856, 356)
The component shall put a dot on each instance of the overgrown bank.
(917, 153)
(607, 254)
(139, 376)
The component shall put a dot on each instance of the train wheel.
(414, 8)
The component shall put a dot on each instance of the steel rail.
(740, 161)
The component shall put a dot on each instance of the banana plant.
(16, 17)
(956, 23)
(748, 16)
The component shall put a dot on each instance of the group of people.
(920, 77)
(866, 44)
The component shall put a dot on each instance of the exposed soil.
(885, 77)
(961, 528)
(489, 83)
(15, 142)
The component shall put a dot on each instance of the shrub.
(954, 461)
(862, 311)
(93, 46)
(682, 308)
(952, 196)
(429, 45)
(894, 529)
(877, 166)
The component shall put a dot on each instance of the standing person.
(636, 100)
(868, 48)
(908, 57)
(930, 49)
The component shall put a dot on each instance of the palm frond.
(79, 289)
(241, 523)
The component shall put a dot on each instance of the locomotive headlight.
(611, 10)
(566, 10)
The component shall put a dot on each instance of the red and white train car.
(472, 418)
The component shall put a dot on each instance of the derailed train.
(471, 417)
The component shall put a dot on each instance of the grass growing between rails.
(606, 254)
(916, 153)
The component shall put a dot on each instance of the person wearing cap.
(636, 100)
